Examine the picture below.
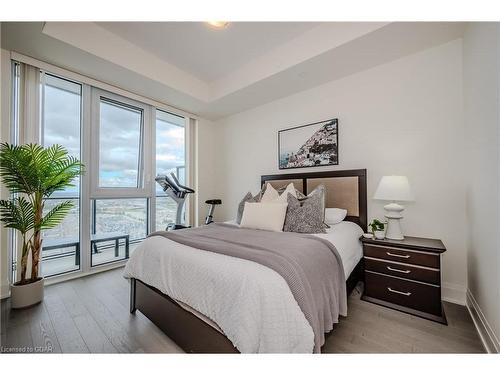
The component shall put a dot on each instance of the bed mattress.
(249, 303)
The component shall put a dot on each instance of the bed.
(163, 296)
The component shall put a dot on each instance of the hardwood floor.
(90, 315)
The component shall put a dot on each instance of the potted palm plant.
(33, 173)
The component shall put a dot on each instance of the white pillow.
(284, 196)
(265, 216)
(272, 195)
(334, 215)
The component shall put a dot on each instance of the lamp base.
(393, 215)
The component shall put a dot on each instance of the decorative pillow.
(264, 216)
(334, 215)
(304, 216)
(290, 189)
(298, 193)
(281, 189)
(270, 194)
(247, 198)
(280, 195)
(318, 190)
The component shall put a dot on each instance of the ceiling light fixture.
(218, 24)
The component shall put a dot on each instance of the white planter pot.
(27, 294)
(379, 234)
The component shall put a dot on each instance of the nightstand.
(405, 275)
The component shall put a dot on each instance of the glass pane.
(61, 119)
(118, 225)
(170, 157)
(119, 145)
(166, 210)
(15, 109)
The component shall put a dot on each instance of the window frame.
(43, 83)
(26, 132)
(187, 159)
(145, 162)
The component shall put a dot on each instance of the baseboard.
(453, 293)
(488, 337)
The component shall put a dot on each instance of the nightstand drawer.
(403, 270)
(402, 255)
(411, 294)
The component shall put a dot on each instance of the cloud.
(119, 137)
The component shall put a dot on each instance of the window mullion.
(151, 161)
(85, 192)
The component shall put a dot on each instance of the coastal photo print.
(312, 145)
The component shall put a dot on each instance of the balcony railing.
(61, 247)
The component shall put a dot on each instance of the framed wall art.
(311, 145)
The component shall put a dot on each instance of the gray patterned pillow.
(320, 189)
(305, 216)
(247, 198)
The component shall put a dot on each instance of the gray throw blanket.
(310, 265)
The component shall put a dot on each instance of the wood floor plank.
(18, 338)
(115, 333)
(66, 331)
(43, 333)
(94, 337)
(421, 333)
(150, 337)
(91, 315)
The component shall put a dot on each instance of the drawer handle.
(398, 292)
(397, 270)
(397, 255)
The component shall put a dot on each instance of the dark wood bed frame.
(194, 335)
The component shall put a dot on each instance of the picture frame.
(307, 146)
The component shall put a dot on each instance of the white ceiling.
(216, 73)
(203, 51)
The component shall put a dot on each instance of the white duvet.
(251, 303)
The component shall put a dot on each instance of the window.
(118, 138)
(119, 145)
(118, 225)
(61, 124)
(120, 194)
(122, 142)
(169, 157)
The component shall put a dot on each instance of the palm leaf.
(56, 215)
(62, 174)
(18, 214)
(14, 163)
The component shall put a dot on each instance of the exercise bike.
(172, 187)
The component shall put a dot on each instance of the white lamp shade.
(394, 188)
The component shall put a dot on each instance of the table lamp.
(394, 189)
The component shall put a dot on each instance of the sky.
(119, 135)
(292, 140)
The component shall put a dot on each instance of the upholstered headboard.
(344, 189)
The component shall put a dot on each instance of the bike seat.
(213, 201)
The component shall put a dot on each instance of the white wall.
(481, 110)
(207, 145)
(404, 117)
